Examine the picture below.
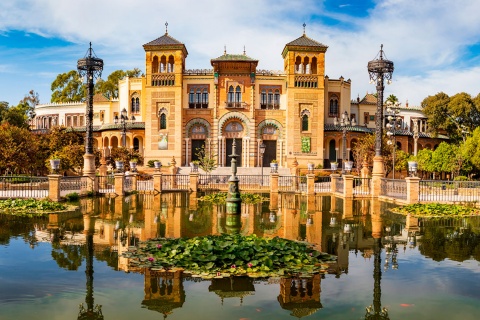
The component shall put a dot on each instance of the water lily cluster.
(437, 210)
(226, 255)
(30, 207)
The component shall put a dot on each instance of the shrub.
(72, 196)
(150, 163)
(460, 178)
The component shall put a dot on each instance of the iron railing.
(106, 184)
(23, 187)
(72, 184)
(455, 191)
(145, 182)
(254, 182)
(213, 182)
(323, 184)
(361, 186)
(175, 182)
(394, 188)
(288, 183)
(127, 184)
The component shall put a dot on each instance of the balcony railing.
(270, 106)
(235, 105)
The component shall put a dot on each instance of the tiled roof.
(369, 99)
(99, 98)
(163, 40)
(234, 57)
(305, 41)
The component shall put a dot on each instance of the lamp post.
(344, 123)
(262, 151)
(392, 125)
(89, 67)
(123, 122)
(379, 70)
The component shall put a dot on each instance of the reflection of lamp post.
(392, 111)
(379, 70)
(89, 67)
(262, 151)
(344, 123)
(123, 123)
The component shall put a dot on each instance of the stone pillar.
(348, 186)
(294, 170)
(333, 187)
(54, 187)
(413, 188)
(377, 175)
(134, 177)
(194, 181)
(157, 181)
(274, 182)
(102, 170)
(119, 184)
(173, 168)
(310, 183)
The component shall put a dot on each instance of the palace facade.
(293, 112)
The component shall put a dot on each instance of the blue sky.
(434, 44)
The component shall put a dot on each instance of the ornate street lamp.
(89, 67)
(123, 122)
(262, 151)
(344, 123)
(392, 125)
(379, 70)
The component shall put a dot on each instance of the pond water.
(395, 267)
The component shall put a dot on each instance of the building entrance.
(197, 144)
(270, 152)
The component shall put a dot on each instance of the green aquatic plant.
(221, 197)
(30, 207)
(226, 255)
(437, 210)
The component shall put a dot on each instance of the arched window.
(276, 100)
(238, 95)
(305, 122)
(163, 121)
(171, 64)
(135, 104)
(205, 99)
(298, 64)
(191, 99)
(163, 64)
(263, 99)
(231, 96)
(333, 110)
(155, 64)
(314, 66)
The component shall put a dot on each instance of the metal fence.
(127, 184)
(106, 184)
(72, 185)
(145, 182)
(213, 182)
(175, 182)
(361, 186)
(254, 182)
(323, 184)
(23, 187)
(449, 191)
(288, 183)
(394, 188)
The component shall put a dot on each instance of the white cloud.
(427, 40)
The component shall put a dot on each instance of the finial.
(166, 27)
(244, 52)
(381, 51)
(224, 50)
(304, 25)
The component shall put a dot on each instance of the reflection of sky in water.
(32, 285)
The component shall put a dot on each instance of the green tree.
(391, 98)
(126, 155)
(206, 159)
(68, 87)
(457, 115)
(365, 148)
(19, 146)
(424, 160)
(444, 158)
(109, 88)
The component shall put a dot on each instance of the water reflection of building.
(164, 291)
(233, 287)
(300, 295)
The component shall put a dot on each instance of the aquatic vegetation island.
(218, 256)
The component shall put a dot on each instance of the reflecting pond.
(389, 266)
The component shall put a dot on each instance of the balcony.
(270, 106)
(235, 105)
